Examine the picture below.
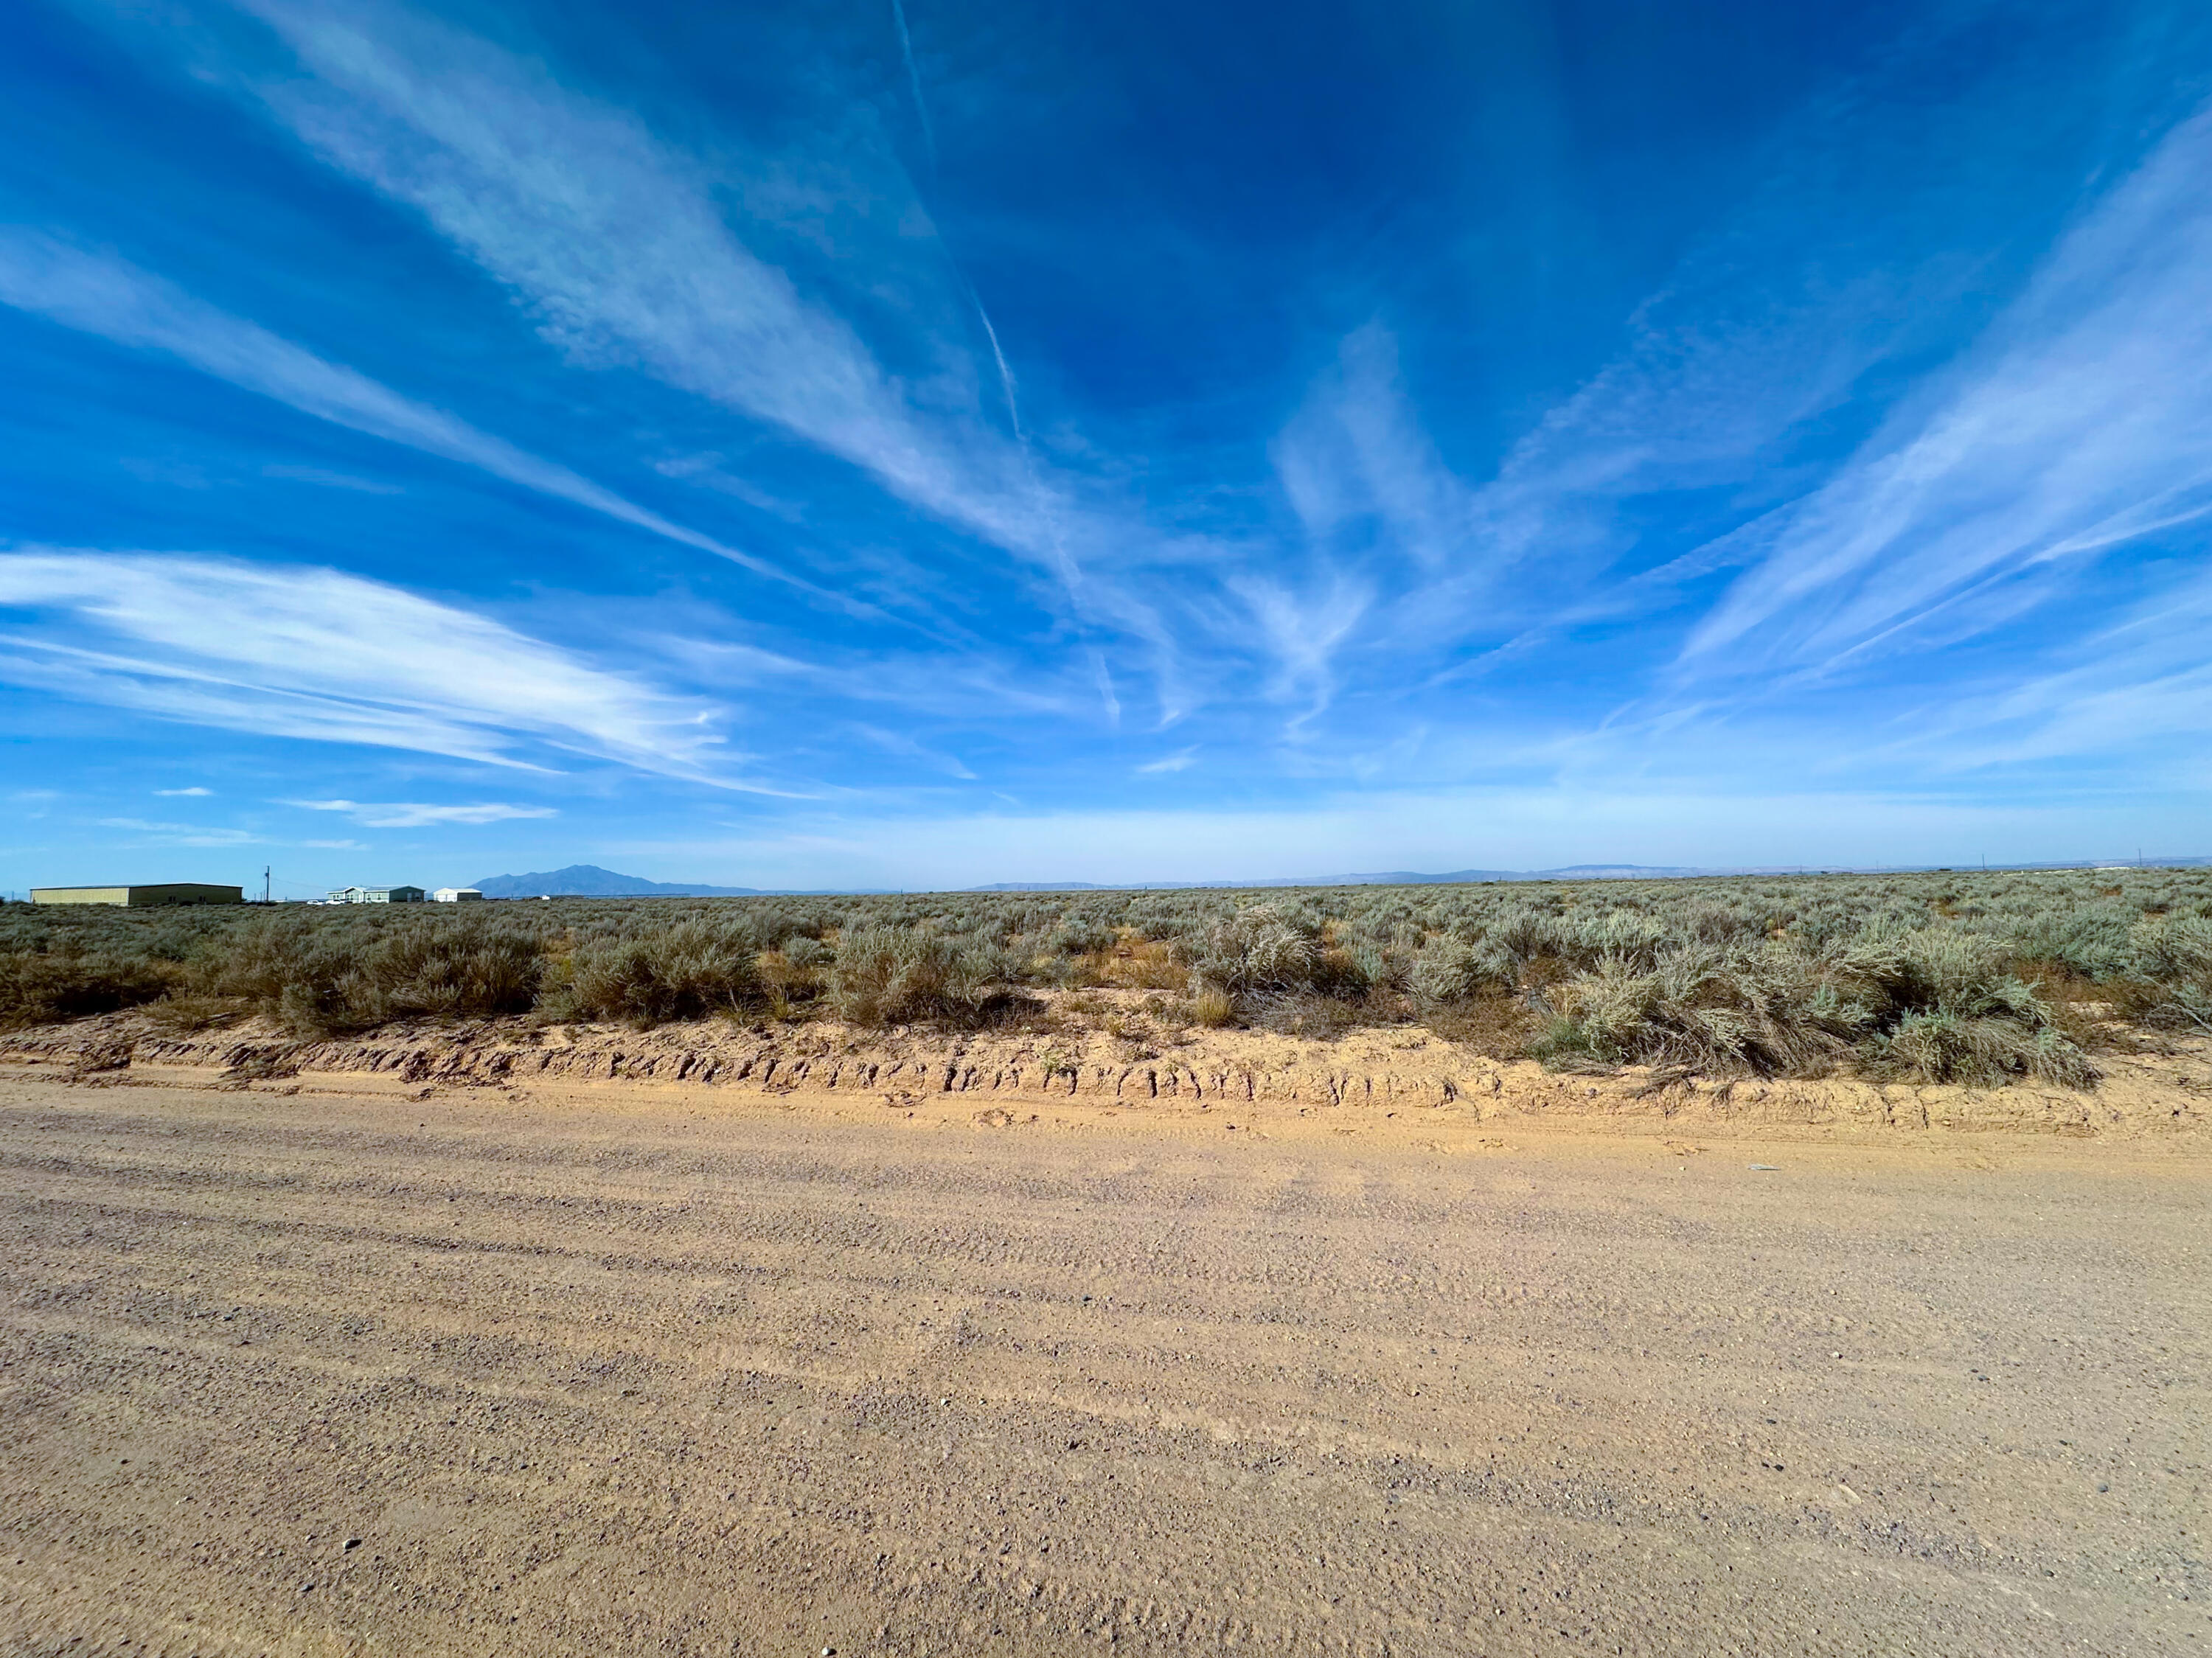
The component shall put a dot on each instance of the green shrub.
(1453, 971)
(1263, 947)
(687, 971)
(46, 986)
(896, 975)
(322, 980)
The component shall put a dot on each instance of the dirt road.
(638, 1372)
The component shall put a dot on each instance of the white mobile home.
(376, 895)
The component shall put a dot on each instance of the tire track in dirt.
(634, 1375)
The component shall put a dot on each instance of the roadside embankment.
(1383, 1074)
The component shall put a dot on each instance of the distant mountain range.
(590, 881)
(1396, 878)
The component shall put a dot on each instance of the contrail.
(1071, 576)
(1006, 374)
(929, 137)
(1105, 686)
(914, 80)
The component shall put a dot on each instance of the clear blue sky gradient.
(801, 444)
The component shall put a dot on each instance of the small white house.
(457, 896)
(376, 895)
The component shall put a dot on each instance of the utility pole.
(264, 884)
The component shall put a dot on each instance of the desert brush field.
(1936, 977)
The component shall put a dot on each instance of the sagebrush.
(1938, 976)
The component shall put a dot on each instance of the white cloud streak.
(1303, 630)
(326, 479)
(2137, 693)
(408, 814)
(905, 748)
(1182, 760)
(2079, 422)
(107, 296)
(315, 653)
(185, 835)
(1358, 451)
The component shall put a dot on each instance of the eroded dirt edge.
(1396, 1074)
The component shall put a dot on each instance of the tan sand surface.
(371, 1361)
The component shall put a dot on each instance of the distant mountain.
(590, 881)
(1396, 878)
(1046, 886)
(1620, 872)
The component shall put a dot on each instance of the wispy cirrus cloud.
(408, 814)
(185, 835)
(315, 653)
(1357, 456)
(621, 247)
(2078, 423)
(193, 793)
(614, 239)
(107, 297)
(326, 479)
(907, 748)
(1304, 625)
(1388, 525)
(2136, 691)
(618, 245)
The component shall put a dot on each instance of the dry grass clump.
(1124, 962)
(1941, 976)
(1212, 1008)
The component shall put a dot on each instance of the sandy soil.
(361, 1361)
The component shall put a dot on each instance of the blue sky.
(827, 444)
